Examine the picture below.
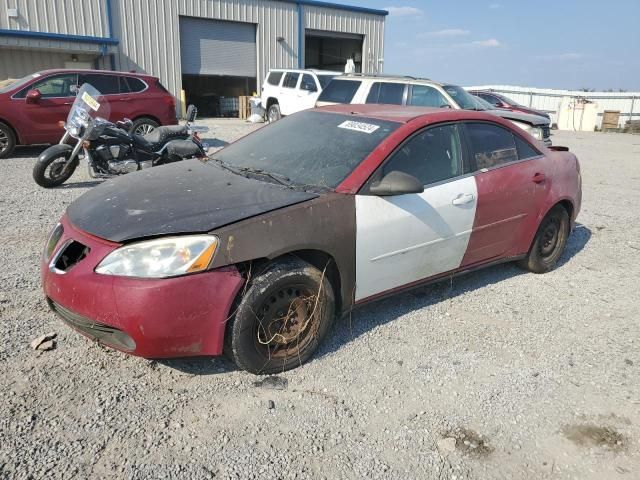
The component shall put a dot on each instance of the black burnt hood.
(184, 197)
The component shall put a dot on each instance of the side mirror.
(33, 96)
(192, 112)
(445, 105)
(396, 183)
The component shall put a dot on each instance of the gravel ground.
(534, 376)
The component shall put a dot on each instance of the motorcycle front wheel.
(49, 170)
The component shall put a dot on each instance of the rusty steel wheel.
(282, 317)
(549, 242)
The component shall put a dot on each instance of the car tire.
(549, 242)
(281, 318)
(7, 140)
(274, 114)
(144, 125)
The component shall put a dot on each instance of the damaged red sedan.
(255, 251)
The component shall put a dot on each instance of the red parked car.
(30, 108)
(500, 101)
(258, 249)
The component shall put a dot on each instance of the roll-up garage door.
(215, 47)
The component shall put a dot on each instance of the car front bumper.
(152, 318)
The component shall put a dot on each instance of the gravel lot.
(535, 376)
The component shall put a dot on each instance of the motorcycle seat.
(182, 148)
(154, 140)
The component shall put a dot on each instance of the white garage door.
(215, 47)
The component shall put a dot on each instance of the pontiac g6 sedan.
(255, 251)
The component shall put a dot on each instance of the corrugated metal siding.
(627, 103)
(149, 32)
(371, 26)
(19, 63)
(217, 47)
(72, 17)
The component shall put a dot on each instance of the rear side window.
(136, 85)
(524, 149)
(290, 80)
(339, 91)
(105, 84)
(425, 96)
(433, 155)
(389, 93)
(491, 145)
(274, 78)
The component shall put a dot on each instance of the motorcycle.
(111, 148)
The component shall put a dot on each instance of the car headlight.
(52, 241)
(161, 258)
(535, 132)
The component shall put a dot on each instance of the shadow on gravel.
(27, 152)
(215, 142)
(386, 310)
(200, 365)
(89, 184)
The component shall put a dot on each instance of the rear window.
(274, 78)
(385, 92)
(339, 91)
(297, 147)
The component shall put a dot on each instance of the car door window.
(385, 92)
(432, 155)
(308, 84)
(57, 86)
(290, 80)
(274, 78)
(491, 145)
(425, 96)
(105, 84)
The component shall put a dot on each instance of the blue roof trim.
(350, 8)
(59, 36)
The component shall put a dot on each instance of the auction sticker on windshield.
(89, 100)
(359, 126)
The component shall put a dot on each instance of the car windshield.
(464, 99)
(483, 103)
(308, 149)
(324, 80)
(18, 83)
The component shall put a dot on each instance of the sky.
(570, 44)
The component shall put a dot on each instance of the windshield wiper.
(281, 179)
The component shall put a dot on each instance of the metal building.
(210, 48)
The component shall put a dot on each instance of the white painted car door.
(407, 238)
(288, 96)
(307, 93)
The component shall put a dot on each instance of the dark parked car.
(256, 250)
(500, 101)
(32, 107)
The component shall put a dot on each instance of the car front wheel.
(549, 242)
(284, 314)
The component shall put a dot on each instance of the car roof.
(396, 78)
(405, 114)
(85, 70)
(306, 70)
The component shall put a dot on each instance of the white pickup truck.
(287, 91)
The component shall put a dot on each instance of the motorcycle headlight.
(74, 131)
(161, 258)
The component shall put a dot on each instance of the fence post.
(633, 102)
(530, 99)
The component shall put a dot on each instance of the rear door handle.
(463, 199)
(539, 178)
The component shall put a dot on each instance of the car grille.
(103, 333)
(546, 131)
(69, 255)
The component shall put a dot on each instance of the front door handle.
(539, 178)
(463, 199)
